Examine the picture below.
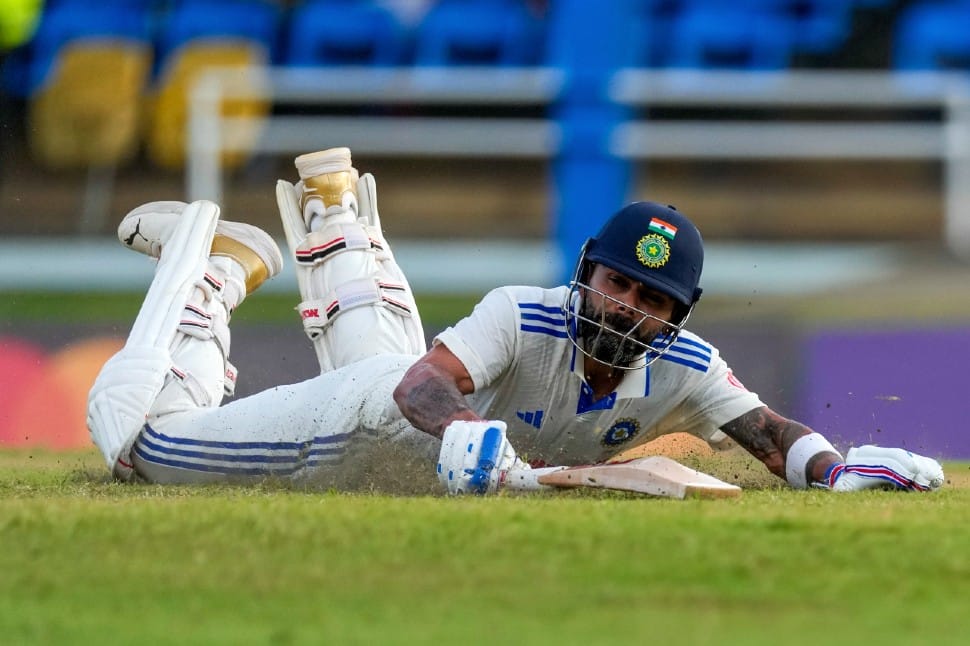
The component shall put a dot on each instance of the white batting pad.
(356, 302)
(130, 381)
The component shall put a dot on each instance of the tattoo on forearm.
(766, 435)
(432, 403)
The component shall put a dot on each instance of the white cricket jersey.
(528, 373)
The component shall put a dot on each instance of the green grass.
(86, 560)
(436, 309)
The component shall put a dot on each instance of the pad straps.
(335, 238)
(317, 314)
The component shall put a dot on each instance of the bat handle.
(528, 479)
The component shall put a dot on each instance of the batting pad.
(129, 382)
(356, 302)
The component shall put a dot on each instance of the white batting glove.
(873, 467)
(475, 456)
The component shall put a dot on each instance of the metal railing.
(638, 139)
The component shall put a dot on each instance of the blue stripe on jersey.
(526, 316)
(693, 347)
(549, 309)
(535, 318)
(559, 334)
(685, 362)
(687, 352)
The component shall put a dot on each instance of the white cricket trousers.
(286, 431)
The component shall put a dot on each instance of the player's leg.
(356, 300)
(176, 356)
(287, 431)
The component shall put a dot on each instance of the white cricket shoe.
(871, 466)
(147, 228)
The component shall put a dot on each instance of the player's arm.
(432, 393)
(805, 458)
(769, 437)
(475, 454)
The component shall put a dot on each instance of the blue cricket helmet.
(655, 245)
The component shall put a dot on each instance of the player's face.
(631, 313)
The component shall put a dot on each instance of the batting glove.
(873, 467)
(475, 456)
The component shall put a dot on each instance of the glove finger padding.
(873, 467)
(474, 457)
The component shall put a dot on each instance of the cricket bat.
(655, 475)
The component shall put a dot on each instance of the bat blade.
(654, 475)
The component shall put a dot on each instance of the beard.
(603, 336)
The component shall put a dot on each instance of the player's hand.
(874, 467)
(475, 456)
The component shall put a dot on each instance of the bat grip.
(528, 479)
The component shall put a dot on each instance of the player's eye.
(654, 299)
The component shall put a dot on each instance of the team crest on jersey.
(622, 431)
(653, 250)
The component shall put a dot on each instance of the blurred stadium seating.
(179, 36)
(933, 35)
(344, 32)
(715, 35)
(88, 69)
(477, 32)
(176, 38)
(195, 35)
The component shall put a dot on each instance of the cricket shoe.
(147, 228)
(328, 187)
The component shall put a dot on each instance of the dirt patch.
(676, 446)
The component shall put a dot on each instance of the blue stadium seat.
(344, 32)
(820, 26)
(653, 28)
(722, 36)
(64, 22)
(256, 22)
(478, 32)
(933, 36)
(816, 26)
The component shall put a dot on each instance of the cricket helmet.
(655, 245)
(650, 243)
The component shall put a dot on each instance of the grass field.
(85, 560)
(437, 309)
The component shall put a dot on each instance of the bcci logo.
(653, 250)
(623, 431)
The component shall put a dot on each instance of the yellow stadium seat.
(168, 111)
(88, 112)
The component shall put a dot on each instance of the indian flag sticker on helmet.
(665, 229)
(653, 250)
